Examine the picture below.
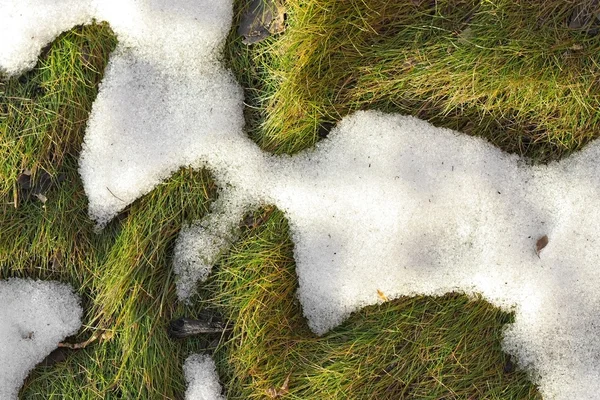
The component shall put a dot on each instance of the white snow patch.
(392, 204)
(201, 376)
(387, 203)
(34, 317)
(164, 87)
(199, 245)
(26, 26)
(164, 98)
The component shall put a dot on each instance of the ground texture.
(512, 72)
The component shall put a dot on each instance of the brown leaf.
(106, 335)
(35, 185)
(286, 384)
(275, 393)
(41, 197)
(382, 295)
(540, 244)
(262, 19)
(576, 47)
(254, 220)
(24, 179)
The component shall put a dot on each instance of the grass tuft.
(512, 72)
(425, 348)
(508, 71)
(124, 273)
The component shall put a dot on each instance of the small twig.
(80, 345)
(117, 197)
(184, 327)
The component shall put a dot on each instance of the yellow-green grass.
(509, 71)
(123, 274)
(410, 348)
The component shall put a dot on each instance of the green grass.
(412, 348)
(509, 71)
(122, 274)
(506, 70)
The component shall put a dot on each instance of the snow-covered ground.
(34, 317)
(202, 379)
(387, 203)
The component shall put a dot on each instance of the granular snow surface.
(392, 204)
(34, 317)
(387, 203)
(163, 87)
(202, 379)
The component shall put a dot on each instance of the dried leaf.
(275, 393)
(27, 335)
(382, 295)
(184, 327)
(36, 185)
(262, 19)
(41, 197)
(24, 180)
(254, 220)
(106, 335)
(576, 47)
(540, 244)
(23, 185)
(509, 366)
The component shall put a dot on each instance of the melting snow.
(34, 317)
(387, 203)
(163, 87)
(202, 378)
(392, 204)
